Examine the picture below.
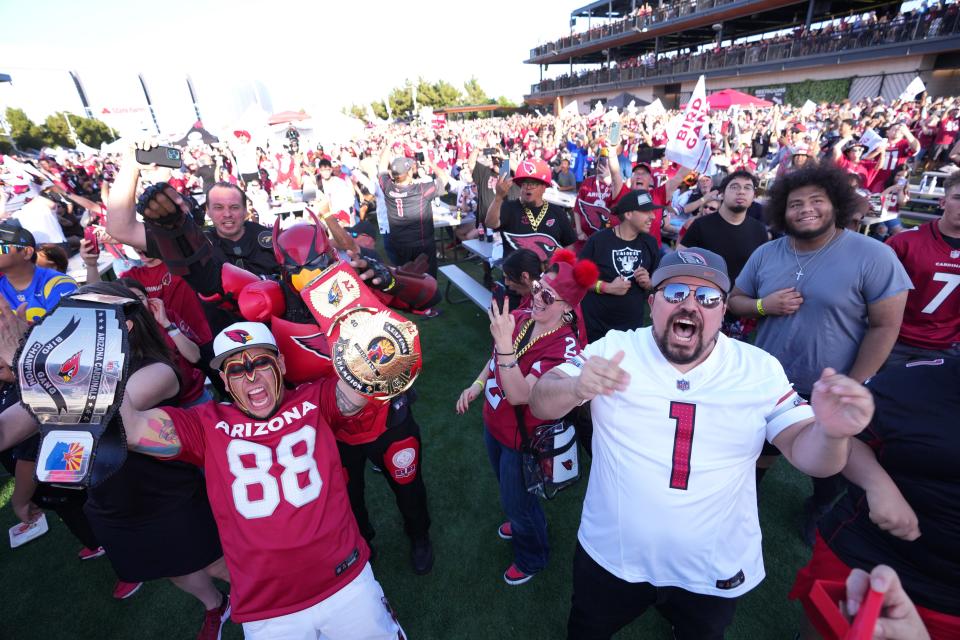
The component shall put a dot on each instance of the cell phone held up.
(161, 156)
(420, 157)
(90, 235)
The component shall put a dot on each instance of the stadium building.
(780, 50)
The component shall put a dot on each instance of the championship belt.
(71, 371)
(373, 349)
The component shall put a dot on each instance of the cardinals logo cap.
(240, 336)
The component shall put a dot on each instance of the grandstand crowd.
(799, 261)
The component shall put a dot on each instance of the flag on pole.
(689, 143)
(910, 93)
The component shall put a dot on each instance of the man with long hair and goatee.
(825, 296)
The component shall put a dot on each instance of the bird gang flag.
(910, 93)
(72, 369)
(689, 144)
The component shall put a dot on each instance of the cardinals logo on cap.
(239, 336)
(69, 369)
(689, 257)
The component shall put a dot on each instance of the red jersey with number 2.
(499, 415)
(931, 319)
(278, 493)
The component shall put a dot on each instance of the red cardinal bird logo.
(69, 369)
(316, 344)
(540, 243)
(239, 335)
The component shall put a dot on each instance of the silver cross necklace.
(811, 258)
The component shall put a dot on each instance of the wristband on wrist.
(170, 327)
(760, 309)
(599, 286)
(478, 382)
(173, 333)
(505, 353)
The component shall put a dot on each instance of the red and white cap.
(241, 336)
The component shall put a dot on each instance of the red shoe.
(505, 531)
(89, 554)
(513, 575)
(213, 622)
(124, 590)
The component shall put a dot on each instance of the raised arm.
(820, 447)
(122, 223)
(492, 221)
(150, 431)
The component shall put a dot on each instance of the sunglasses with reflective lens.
(247, 366)
(537, 289)
(706, 297)
(10, 248)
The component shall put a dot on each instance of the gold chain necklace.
(535, 222)
(533, 341)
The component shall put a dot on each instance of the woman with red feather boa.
(527, 343)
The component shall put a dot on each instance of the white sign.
(870, 138)
(571, 109)
(910, 93)
(632, 107)
(808, 108)
(689, 144)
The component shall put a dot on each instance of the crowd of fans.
(858, 31)
(763, 248)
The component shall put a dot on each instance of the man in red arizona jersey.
(931, 256)
(595, 201)
(297, 559)
(642, 178)
(899, 147)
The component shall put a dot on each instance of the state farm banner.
(689, 143)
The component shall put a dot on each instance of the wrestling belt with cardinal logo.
(373, 349)
(71, 372)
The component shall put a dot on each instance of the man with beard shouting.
(670, 517)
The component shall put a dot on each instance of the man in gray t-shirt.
(837, 288)
(825, 296)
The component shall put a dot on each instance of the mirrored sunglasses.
(537, 289)
(706, 297)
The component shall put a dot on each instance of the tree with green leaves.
(25, 133)
(92, 132)
(401, 100)
(57, 132)
(475, 93)
(379, 109)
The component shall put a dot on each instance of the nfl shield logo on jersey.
(683, 385)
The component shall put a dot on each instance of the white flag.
(571, 109)
(611, 116)
(632, 107)
(689, 143)
(808, 108)
(655, 108)
(910, 93)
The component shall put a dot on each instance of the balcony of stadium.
(826, 50)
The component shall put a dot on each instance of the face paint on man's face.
(255, 383)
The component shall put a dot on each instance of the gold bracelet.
(760, 307)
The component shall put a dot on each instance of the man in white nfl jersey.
(680, 415)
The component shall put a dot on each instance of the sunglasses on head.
(537, 289)
(706, 297)
(245, 365)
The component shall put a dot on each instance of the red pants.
(825, 565)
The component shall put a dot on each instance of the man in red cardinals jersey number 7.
(931, 256)
(276, 487)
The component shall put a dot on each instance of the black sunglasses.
(710, 210)
(706, 297)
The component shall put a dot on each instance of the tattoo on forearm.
(346, 406)
(161, 439)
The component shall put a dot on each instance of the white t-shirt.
(671, 498)
(38, 217)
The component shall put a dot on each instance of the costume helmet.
(534, 169)
(302, 248)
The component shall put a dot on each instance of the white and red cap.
(241, 336)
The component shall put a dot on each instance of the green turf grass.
(47, 593)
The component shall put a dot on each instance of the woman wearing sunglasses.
(527, 343)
